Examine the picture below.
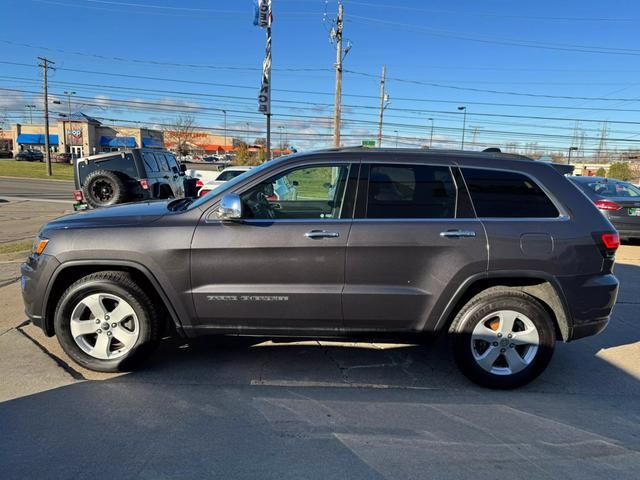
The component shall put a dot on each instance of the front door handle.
(321, 234)
(458, 233)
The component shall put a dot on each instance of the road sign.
(368, 143)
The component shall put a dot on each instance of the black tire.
(482, 306)
(108, 283)
(103, 188)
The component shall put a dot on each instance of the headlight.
(39, 245)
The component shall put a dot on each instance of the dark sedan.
(30, 156)
(619, 201)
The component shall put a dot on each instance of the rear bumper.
(591, 300)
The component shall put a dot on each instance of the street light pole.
(30, 107)
(464, 123)
(431, 137)
(570, 150)
(396, 132)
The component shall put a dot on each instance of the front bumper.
(35, 275)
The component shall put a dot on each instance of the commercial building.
(82, 135)
(198, 142)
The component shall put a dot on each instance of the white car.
(224, 176)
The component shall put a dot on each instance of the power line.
(463, 12)
(500, 41)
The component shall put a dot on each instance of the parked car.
(62, 158)
(223, 176)
(617, 200)
(30, 156)
(6, 154)
(502, 254)
(130, 175)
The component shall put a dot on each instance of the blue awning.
(36, 139)
(152, 142)
(118, 142)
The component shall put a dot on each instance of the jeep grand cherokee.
(501, 253)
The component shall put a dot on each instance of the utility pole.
(431, 137)
(336, 33)
(225, 130)
(464, 124)
(30, 107)
(384, 98)
(45, 66)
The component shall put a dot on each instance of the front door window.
(307, 193)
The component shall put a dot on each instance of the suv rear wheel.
(103, 188)
(106, 322)
(502, 338)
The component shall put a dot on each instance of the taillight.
(607, 205)
(199, 182)
(203, 192)
(611, 241)
(144, 183)
(77, 195)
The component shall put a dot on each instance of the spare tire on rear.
(103, 188)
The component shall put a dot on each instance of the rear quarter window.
(149, 161)
(502, 194)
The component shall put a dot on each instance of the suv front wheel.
(502, 338)
(106, 322)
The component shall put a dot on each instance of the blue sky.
(506, 61)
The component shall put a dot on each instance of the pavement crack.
(61, 363)
(4, 283)
(344, 371)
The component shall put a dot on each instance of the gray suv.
(502, 254)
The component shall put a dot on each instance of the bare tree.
(181, 134)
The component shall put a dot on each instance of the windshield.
(229, 185)
(614, 189)
(229, 174)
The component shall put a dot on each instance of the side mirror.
(183, 167)
(230, 207)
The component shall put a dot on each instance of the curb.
(36, 178)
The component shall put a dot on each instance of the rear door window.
(502, 194)
(162, 162)
(410, 191)
(171, 161)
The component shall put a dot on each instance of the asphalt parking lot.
(251, 408)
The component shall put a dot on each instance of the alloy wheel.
(104, 326)
(505, 342)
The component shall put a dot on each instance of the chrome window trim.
(250, 221)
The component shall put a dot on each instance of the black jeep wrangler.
(128, 176)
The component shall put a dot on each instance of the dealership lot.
(311, 409)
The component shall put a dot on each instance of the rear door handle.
(458, 233)
(321, 234)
